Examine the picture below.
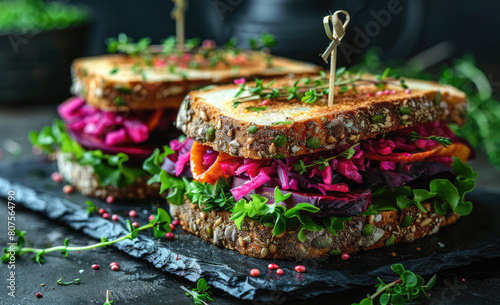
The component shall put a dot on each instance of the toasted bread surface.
(117, 82)
(257, 240)
(84, 180)
(308, 128)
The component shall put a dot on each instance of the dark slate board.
(470, 239)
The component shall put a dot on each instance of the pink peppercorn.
(106, 216)
(387, 92)
(300, 268)
(254, 272)
(110, 199)
(114, 217)
(56, 177)
(169, 235)
(96, 267)
(345, 256)
(369, 94)
(115, 268)
(151, 217)
(393, 91)
(68, 189)
(172, 227)
(272, 266)
(208, 44)
(265, 102)
(113, 264)
(239, 81)
(379, 93)
(176, 222)
(102, 211)
(39, 295)
(279, 271)
(135, 224)
(407, 91)
(132, 213)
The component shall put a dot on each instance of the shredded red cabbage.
(242, 190)
(116, 128)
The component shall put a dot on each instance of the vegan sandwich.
(266, 168)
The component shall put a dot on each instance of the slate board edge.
(228, 285)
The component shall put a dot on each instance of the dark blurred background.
(401, 29)
(412, 26)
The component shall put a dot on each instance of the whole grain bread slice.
(209, 117)
(257, 240)
(121, 82)
(84, 180)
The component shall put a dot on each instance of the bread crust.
(161, 89)
(82, 177)
(349, 121)
(257, 240)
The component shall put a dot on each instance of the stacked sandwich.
(268, 169)
(125, 105)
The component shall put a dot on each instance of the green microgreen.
(309, 89)
(407, 288)
(90, 207)
(201, 294)
(441, 140)
(75, 281)
(301, 167)
(160, 225)
(109, 169)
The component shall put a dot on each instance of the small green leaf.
(385, 298)
(398, 268)
(397, 299)
(409, 279)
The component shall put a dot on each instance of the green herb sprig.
(301, 167)
(144, 52)
(201, 294)
(407, 288)
(75, 281)
(160, 226)
(309, 90)
(441, 140)
(90, 207)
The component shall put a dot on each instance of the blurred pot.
(35, 68)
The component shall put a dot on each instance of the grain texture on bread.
(209, 117)
(84, 180)
(115, 82)
(257, 240)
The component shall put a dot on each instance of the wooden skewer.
(336, 36)
(178, 14)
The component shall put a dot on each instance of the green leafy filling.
(444, 194)
(110, 169)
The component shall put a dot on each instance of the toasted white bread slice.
(257, 240)
(209, 117)
(118, 82)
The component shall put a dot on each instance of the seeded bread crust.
(210, 118)
(84, 180)
(257, 240)
(160, 88)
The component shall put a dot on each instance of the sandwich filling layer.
(403, 168)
